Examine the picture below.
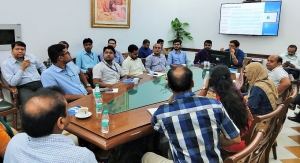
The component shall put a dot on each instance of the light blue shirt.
(156, 63)
(67, 79)
(118, 57)
(52, 148)
(177, 58)
(85, 61)
(15, 76)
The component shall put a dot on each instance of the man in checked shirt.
(195, 126)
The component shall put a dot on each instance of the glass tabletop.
(150, 92)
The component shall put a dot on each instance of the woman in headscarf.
(263, 93)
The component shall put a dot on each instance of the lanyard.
(90, 55)
(116, 70)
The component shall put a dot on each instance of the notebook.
(152, 110)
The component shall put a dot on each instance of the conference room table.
(128, 114)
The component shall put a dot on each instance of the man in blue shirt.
(237, 55)
(118, 55)
(21, 70)
(144, 50)
(176, 56)
(87, 58)
(65, 74)
(195, 126)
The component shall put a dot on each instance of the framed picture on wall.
(110, 13)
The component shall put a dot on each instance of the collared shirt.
(49, 62)
(52, 148)
(276, 75)
(15, 76)
(201, 56)
(193, 125)
(240, 55)
(67, 79)
(85, 60)
(156, 63)
(295, 59)
(143, 53)
(177, 58)
(118, 57)
(108, 74)
(133, 67)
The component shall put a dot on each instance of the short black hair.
(87, 40)
(109, 47)
(177, 40)
(182, 83)
(54, 51)
(132, 48)
(18, 43)
(160, 41)
(293, 46)
(64, 42)
(235, 42)
(111, 39)
(146, 41)
(208, 42)
(279, 59)
(42, 123)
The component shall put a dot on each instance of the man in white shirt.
(132, 65)
(44, 117)
(278, 75)
(291, 61)
(107, 72)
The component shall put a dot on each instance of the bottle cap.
(97, 85)
(105, 112)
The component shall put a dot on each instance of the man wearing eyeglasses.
(176, 56)
(65, 74)
(87, 58)
(118, 57)
(107, 72)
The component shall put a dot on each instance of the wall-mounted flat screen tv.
(258, 18)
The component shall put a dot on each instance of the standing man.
(65, 74)
(21, 70)
(156, 61)
(161, 42)
(132, 65)
(44, 117)
(237, 55)
(87, 58)
(107, 72)
(118, 58)
(202, 54)
(277, 74)
(144, 51)
(176, 56)
(195, 126)
(291, 61)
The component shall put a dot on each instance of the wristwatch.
(204, 88)
(88, 85)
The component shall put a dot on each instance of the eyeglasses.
(68, 73)
(108, 52)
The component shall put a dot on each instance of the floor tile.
(296, 138)
(294, 150)
(296, 128)
(296, 160)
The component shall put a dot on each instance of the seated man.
(107, 72)
(118, 58)
(291, 61)
(202, 54)
(49, 63)
(161, 42)
(144, 51)
(277, 74)
(156, 61)
(21, 70)
(237, 55)
(176, 56)
(132, 65)
(195, 126)
(44, 117)
(87, 58)
(65, 74)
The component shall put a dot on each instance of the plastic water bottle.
(168, 67)
(206, 77)
(105, 122)
(98, 100)
(97, 90)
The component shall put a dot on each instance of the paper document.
(157, 74)
(152, 110)
(113, 90)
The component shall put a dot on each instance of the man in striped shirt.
(195, 126)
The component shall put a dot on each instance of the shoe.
(295, 119)
(296, 113)
(292, 106)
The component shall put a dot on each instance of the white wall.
(203, 17)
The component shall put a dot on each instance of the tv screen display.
(258, 18)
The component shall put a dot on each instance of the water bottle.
(105, 122)
(98, 100)
(206, 77)
(168, 67)
(97, 90)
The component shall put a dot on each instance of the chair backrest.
(246, 154)
(90, 76)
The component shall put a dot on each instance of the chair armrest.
(14, 93)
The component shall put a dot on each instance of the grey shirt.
(155, 63)
(108, 74)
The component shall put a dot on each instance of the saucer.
(78, 115)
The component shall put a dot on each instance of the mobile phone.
(287, 62)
